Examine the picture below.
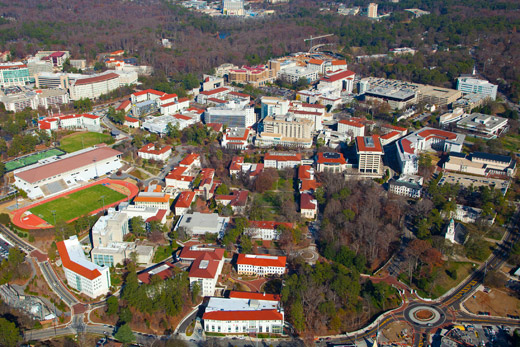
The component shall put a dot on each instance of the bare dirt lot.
(496, 302)
(398, 332)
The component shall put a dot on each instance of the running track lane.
(18, 214)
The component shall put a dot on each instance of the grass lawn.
(163, 252)
(511, 142)
(78, 141)
(444, 282)
(77, 204)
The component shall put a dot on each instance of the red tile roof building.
(81, 274)
(351, 127)
(341, 80)
(184, 201)
(191, 161)
(205, 269)
(370, 152)
(159, 200)
(282, 160)
(237, 200)
(308, 206)
(153, 152)
(261, 264)
(331, 162)
(178, 178)
(163, 271)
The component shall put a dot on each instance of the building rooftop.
(261, 260)
(66, 163)
(369, 144)
(185, 199)
(243, 315)
(241, 304)
(73, 258)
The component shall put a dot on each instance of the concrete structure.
(233, 7)
(265, 230)
(198, 224)
(331, 162)
(152, 152)
(372, 10)
(93, 87)
(286, 131)
(295, 74)
(231, 114)
(273, 106)
(210, 82)
(483, 125)
(108, 248)
(369, 152)
(13, 74)
(82, 275)
(426, 139)
(454, 116)
(481, 164)
(55, 174)
(109, 228)
(260, 265)
(351, 128)
(17, 99)
(235, 138)
(255, 75)
(473, 85)
(282, 160)
(407, 185)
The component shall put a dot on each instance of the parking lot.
(4, 249)
(478, 335)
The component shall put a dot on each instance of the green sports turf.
(31, 159)
(77, 204)
(78, 141)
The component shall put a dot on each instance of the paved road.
(16, 240)
(449, 306)
(56, 285)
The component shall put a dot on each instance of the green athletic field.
(31, 159)
(77, 204)
(77, 141)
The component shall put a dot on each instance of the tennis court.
(31, 159)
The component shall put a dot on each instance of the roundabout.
(421, 315)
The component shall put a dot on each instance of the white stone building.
(81, 274)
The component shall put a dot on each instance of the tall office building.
(370, 153)
(372, 10)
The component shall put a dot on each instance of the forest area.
(458, 33)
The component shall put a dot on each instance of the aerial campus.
(300, 200)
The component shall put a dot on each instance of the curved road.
(450, 304)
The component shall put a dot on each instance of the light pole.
(103, 199)
(54, 215)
